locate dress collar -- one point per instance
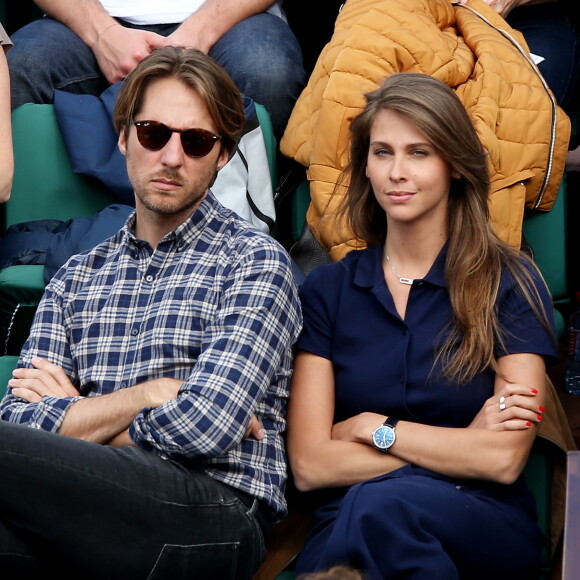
(369, 268)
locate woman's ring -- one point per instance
(501, 403)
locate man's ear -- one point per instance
(122, 142)
(222, 159)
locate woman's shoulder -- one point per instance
(522, 268)
(522, 282)
(331, 274)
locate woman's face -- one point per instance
(410, 179)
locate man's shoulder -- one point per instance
(84, 264)
(241, 235)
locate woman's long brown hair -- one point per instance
(476, 256)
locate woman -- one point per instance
(419, 376)
(6, 155)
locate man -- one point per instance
(150, 362)
(84, 45)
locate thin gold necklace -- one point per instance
(402, 279)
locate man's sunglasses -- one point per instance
(195, 142)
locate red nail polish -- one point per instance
(539, 417)
(542, 408)
(528, 423)
(534, 390)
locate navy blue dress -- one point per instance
(414, 523)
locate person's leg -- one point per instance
(47, 56)
(93, 511)
(263, 57)
(417, 527)
(18, 559)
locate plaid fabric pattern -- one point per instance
(214, 305)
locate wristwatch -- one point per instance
(384, 436)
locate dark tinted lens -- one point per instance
(197, 142)
(153, 136)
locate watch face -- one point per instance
(383, 437)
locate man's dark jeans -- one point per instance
(75, 509)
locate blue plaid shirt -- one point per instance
(214, 305)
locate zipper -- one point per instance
(535, 68)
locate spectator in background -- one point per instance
(6, 154)
(83, 45)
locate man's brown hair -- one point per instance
(196, 70)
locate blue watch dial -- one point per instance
(383, 437)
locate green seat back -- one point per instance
(45, 186)
(538, 474)
(270, 142)
(7, 365)
(21, 288)
(546, 234)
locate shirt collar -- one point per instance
(185, 233)
(369, 268)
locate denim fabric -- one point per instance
(83, 510)
(550, 33)
(261, 54)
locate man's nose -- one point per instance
(172, 154)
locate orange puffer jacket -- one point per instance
(470, 48)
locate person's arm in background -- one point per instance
(213, 19)
(117, 49)
(6, 153)
(504, 7)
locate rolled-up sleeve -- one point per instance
(245, 352)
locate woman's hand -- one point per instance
(358, 428)
(512, 408)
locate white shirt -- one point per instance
(166, 12)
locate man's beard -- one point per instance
(155, 202)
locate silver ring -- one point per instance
(501, 403)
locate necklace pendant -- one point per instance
(408, 281)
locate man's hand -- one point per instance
(254, 429)
(119, 50)
(45, 379)
(122, 439)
